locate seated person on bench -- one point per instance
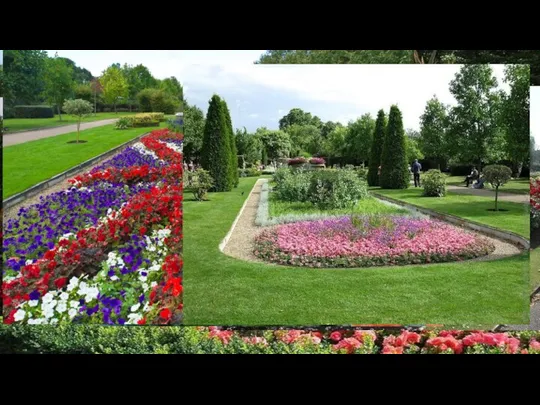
(479, 183)
(471, 177)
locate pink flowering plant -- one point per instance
(364, 241)
(317, 161)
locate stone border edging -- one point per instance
(228, 236)
(507, 236)
(38, 188)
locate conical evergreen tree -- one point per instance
(232, 145)
(215, 151)
(376, 149)
(394, 171)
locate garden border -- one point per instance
(38, 188)
(507, 236)
(231, 230)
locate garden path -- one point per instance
(27, 136)
(517, 198)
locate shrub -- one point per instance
(362, 172)
(158, 116)
(280, 174)
(294, 186)
(33, 111)
(124, 123)
(434, 183)
(497, 176)
(330, 189)
(144, 120)
(394, 168)
(249, 173)
(200, 182)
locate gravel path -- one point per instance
(27, 136)
(240, 243)
(518, 198)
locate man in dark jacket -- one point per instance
(416, 168)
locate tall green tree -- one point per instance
(194, 123)
(233, 154)
(296, 116)
(215, 152)
(249, 146)
(335, 56)
(394, 167)
(379, 134)
(304, 138)
(360, 138)
(433, 128)
(23, 77)
(115, 86)
(334, 143)
(58, 82)
(328, 127)
(473, 133)
(276, 144)
(172, 86)
(80, 75)
(515, 115)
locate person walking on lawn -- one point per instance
(416, 168)
(471, 177)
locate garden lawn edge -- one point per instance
(507, 236)
(44, 185)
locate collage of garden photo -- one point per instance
(229, 202)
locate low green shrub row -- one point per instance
(249, 172)
(33, 111)
(140, 120)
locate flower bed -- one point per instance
(317, 161)
(362, 241)
(535, 203)
(106, 251)
(297, 161)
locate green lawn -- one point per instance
(474, 208)
(366, 206)
(29, 163)
(24, 124)
(535, 268)
(514, 186)
(219, 289)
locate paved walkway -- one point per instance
(26, 136)
(518, 198)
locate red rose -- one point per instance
(60, 282)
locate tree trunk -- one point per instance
(496, 197)
(59, 112)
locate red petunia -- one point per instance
(165, 313)
(60, 282)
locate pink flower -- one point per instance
(336, 336)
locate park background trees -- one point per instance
(31, 77)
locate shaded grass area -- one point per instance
(222, 290)
(29, 163)
(514, 186)
(25, 124)
(535, 268)
(365, 206)
(515, 219)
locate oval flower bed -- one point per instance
(106, 251)
(364, 241)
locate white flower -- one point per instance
(91, 294)
(49, 297)
(74, 304)
(114, 278)
(72, 312)
(19, 315)
(73, 282)
(61, 307)
(33, 303)
(48, 312)
(29, 261)
(145, 286)
(133, 318)
(54, 321)
(135, 307)
(64, 296)
(153, 284)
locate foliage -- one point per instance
(376, 149)
(233, 154)
(249, 146)
(515, 115)
(84, 91)
(433, 140)
(331, 189)
(200, 182)
(144, 120)
(334, 142)
(473, 121)
(299, 117)
(276, 143)
(359, 138)
(497, 176)
(79, 108)
(173, 88)
(157, 100)
(251, 172)
(394, 168)
(194, 123)
(292, 185)
(58, 82)
(124, 123)
(80, 75)
(412, 151)
(336, 56)
(434, 183)
(33, 111)
(115, 85)
(215, 152)
(305, 138)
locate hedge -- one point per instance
(33, 111)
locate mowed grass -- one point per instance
(29, 163)
(535, 268)
(514, 186)
(24, 124)
(221, 290)
(365, 206)
(515, 219)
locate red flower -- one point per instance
(336, 336)
(141, 321)
(60, 282)
(165, 313)
(142, 231)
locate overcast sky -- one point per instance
(535, 115)
(259, 95)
